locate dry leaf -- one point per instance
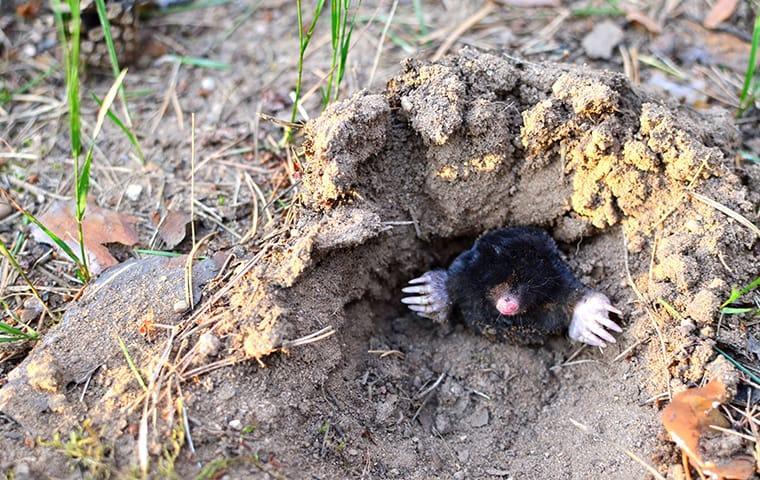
(100, 227)
(643, 19)
(29, 10)
(174, 228)
(720, 12)
(688, 418)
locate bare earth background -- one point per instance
(420, 160)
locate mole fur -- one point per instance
(525, 263)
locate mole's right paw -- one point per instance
(432, 300)
(591, 320)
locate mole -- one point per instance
(512, 286)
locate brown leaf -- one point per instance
(29, 10)
(174, 228)
(688, 418)
(720, 12)
(100, 227)
(643, 19)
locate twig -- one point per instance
(469, 22)
(380, 44)
(736, 216)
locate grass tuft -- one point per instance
(131, 363)
(304, 38)
(340, 40)
(85, 449)
(751, 87)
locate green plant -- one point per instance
(85, 449)
(751, 87)
(11, 256)
(736, 294)
(9, 334)
(55, 238)
(340, 40)
(304, 38)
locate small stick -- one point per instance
(380, 44)
(722, 208)
(469, 22)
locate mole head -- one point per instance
(507, 298)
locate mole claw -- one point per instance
(417, 289)
(613, 309)
(415, 300)
(421, 279)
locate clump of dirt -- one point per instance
(397, 182)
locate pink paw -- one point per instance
(591, 320)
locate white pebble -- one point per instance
(133, 191)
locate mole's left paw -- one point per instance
(591, 320)
(431, 300)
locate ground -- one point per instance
(624, 167)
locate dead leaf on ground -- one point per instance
(689, 417)
(720, 12)
(100, 227)
(174, 228)
(643, 19)
(29, 10)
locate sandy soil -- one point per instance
(394, 181)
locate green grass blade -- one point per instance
(55, 238)
(131, 364)
(747, 96)
(125, 129)
(57, 8)
(738, 365)
(106, 25)
(737, 293)
(739, 310)
(304, 37)
(14, 263)
(83, 182)
(72, 79)
(201, 62)
(417, 4)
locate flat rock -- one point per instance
(602, 40)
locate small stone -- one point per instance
(687, 326)
(460, 475)
(29, 50)
(442, 423)
(5, 209)
(602, 40)
(21, 471)
(133, 191)
(463, 455)
(208, 85)
(180, 306)
(479, 418)
(208, 345)
(353, 452)
(236, 424)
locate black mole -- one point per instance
(512, 285)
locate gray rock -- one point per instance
(602, 40)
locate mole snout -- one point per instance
(512, 285)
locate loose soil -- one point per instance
(397, 182)
(394, 182)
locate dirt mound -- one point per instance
(399, 181)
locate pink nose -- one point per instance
(507, 306)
